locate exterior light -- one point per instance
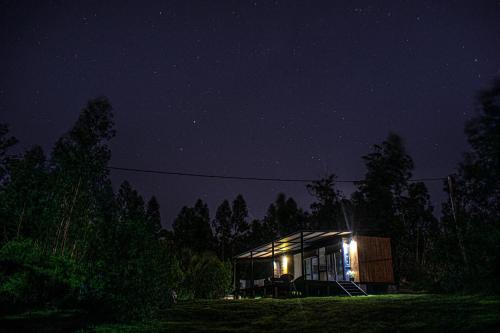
(353, 245)
(347, 258)
(346, 247)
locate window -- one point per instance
(315, 268)
(330, 261)
(339, 265)
(322, 265)
(308, 268)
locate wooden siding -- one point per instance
(354, 258)
(374, 260)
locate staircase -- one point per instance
(351, 288)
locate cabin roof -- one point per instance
(288, 243)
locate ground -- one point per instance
(388, 313)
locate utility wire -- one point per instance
(265, 179)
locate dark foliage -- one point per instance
(68, 241)
(192, 228)
(471, 217)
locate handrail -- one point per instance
(354, 283)
(348, 293)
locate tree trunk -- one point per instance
(21, 219)
(65, 237)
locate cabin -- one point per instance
(315, 263)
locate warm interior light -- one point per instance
(284, 265)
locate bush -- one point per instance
(206, 277)
(135, 286)
(30, 278)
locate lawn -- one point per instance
(388, 313)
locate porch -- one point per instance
(304, 263)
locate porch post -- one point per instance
(302, 254)
(251, 274)
(234, 277)
(272, 253)
(342, 255)
(273, 286)
(302, 262)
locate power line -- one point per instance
(265, 179)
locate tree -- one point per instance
(420, 229)
(259, 232)
(223, 228)
(6, 142)
(326, 211)
(380, 196)
(471, 215)
(80, 175)
(230, 226)
(137, 271)
(239, 225)
(153, 216)
(284, 216)
(24, 196)
(192, 228)
(99, 250)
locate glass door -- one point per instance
(339, 266)
(330, 263)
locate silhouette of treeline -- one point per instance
(68, 240)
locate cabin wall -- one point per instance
(374, 259)
(354, 259)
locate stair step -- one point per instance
(351, 288)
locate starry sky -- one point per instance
(287, 89)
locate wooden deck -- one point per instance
(298, 288)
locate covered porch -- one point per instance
(304, 263)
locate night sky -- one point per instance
(250, 88)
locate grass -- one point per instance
(44, 321)
(387, 313)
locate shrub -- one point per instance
(30, 278)
(206, 277)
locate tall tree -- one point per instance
(6, 142)
(239, 225)
(284, 216)
(471, 215)
(326, 211)
(223, 228)
(79, 160)
(379, 198)
(24, 196)
(420, 229)
(258, 233)
(153, 216)
(192, 228)
(136, 270)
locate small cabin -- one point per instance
(315, 263)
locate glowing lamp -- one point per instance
(284, 265)
(353, 245)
